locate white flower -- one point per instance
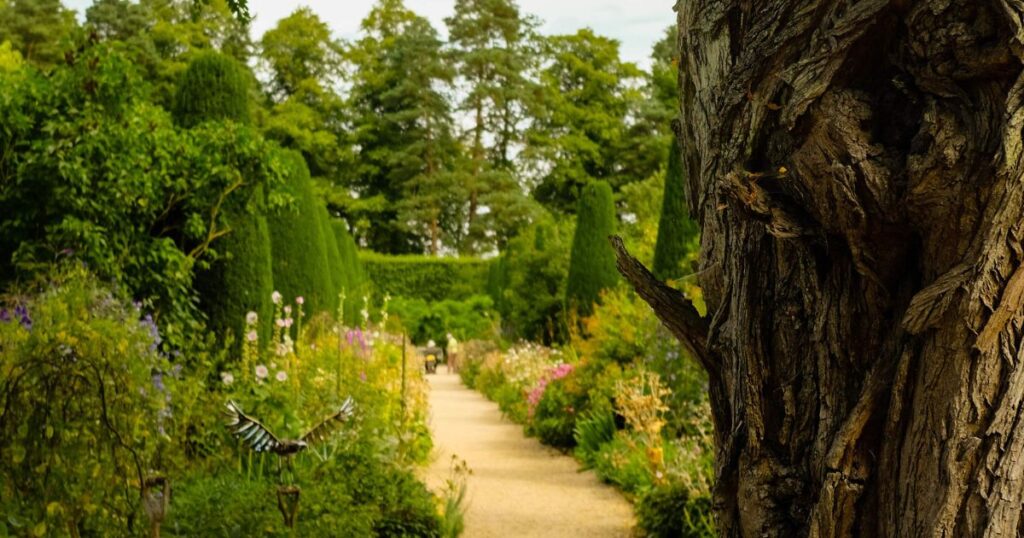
(276, 297)
(299, 300)
(251, 336)
(281, 375)
(279, 322)
(287, 309)
(273, 365)
(227, 378)
(261, 371)
(251, 318)
(288, 322)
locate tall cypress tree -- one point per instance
(301, 265)
(676, 230)
(215, 87)
(592, 263)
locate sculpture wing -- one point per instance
(250, 430)
(322, 431)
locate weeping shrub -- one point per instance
(592, 263)
(301, 266)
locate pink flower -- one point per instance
(299, 300)
(279, 322)
(288, 322)
(262, 372)
(227, 378)
(362, 376)
(281, 375)
(251, 336)
(288, 309)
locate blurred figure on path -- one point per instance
(452, 352)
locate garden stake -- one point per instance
(288, 504)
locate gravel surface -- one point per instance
(519, 488)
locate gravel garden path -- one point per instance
(519, 488)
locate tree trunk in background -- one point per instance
(856, 170)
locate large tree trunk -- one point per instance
(856, 170)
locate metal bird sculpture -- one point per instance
(261, 439)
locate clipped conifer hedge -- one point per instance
(592, 261)
(426, 277)
(213, 87)
(354, 284)
(240, 280)
(301, 264)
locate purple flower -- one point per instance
(66, 252)
(176, 371)
(20, 311)
(5, 315)
(26, 322)
(158, 382)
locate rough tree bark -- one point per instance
(856, 169)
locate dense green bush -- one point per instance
(335, 264)
(125, 191)
(88, 398)
(677, 232)
(592, 265)
(529, 283)
(354, 284)
(301, 266)
(473, 318)
(672, 511)
(213, 87)
(594, 429)
(425, 277)
(554, 419)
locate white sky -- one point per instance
(637, 24)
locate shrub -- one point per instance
(354, 283)
(301, 266)
(125, 191)
(592, 264)
(336, 267)
(677, 232)
(593, 429)
(531, 283)
(424, 277)
(554, 418)
(87, 398)
(625, 462)
(213, 87)
(673, 511)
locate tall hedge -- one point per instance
(677, 232)
(426, 277)
(301, 265)
(336, 269)
(213, 87)
(592, 262)
(354, 282)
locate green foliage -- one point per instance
(300, 53)
(624, 462)
(87, 400)
(528, 281)
(425, 277)
(354, 281)
(402, 122)
(214, 87)
(673, 511)
(580, 131)
(594, 429)
(472, 318)
(336, 267)
(677, 233)
(41, 30)
(554, 419)
(242, 280)
(138, 200)
(301, 265)
(592, 265)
